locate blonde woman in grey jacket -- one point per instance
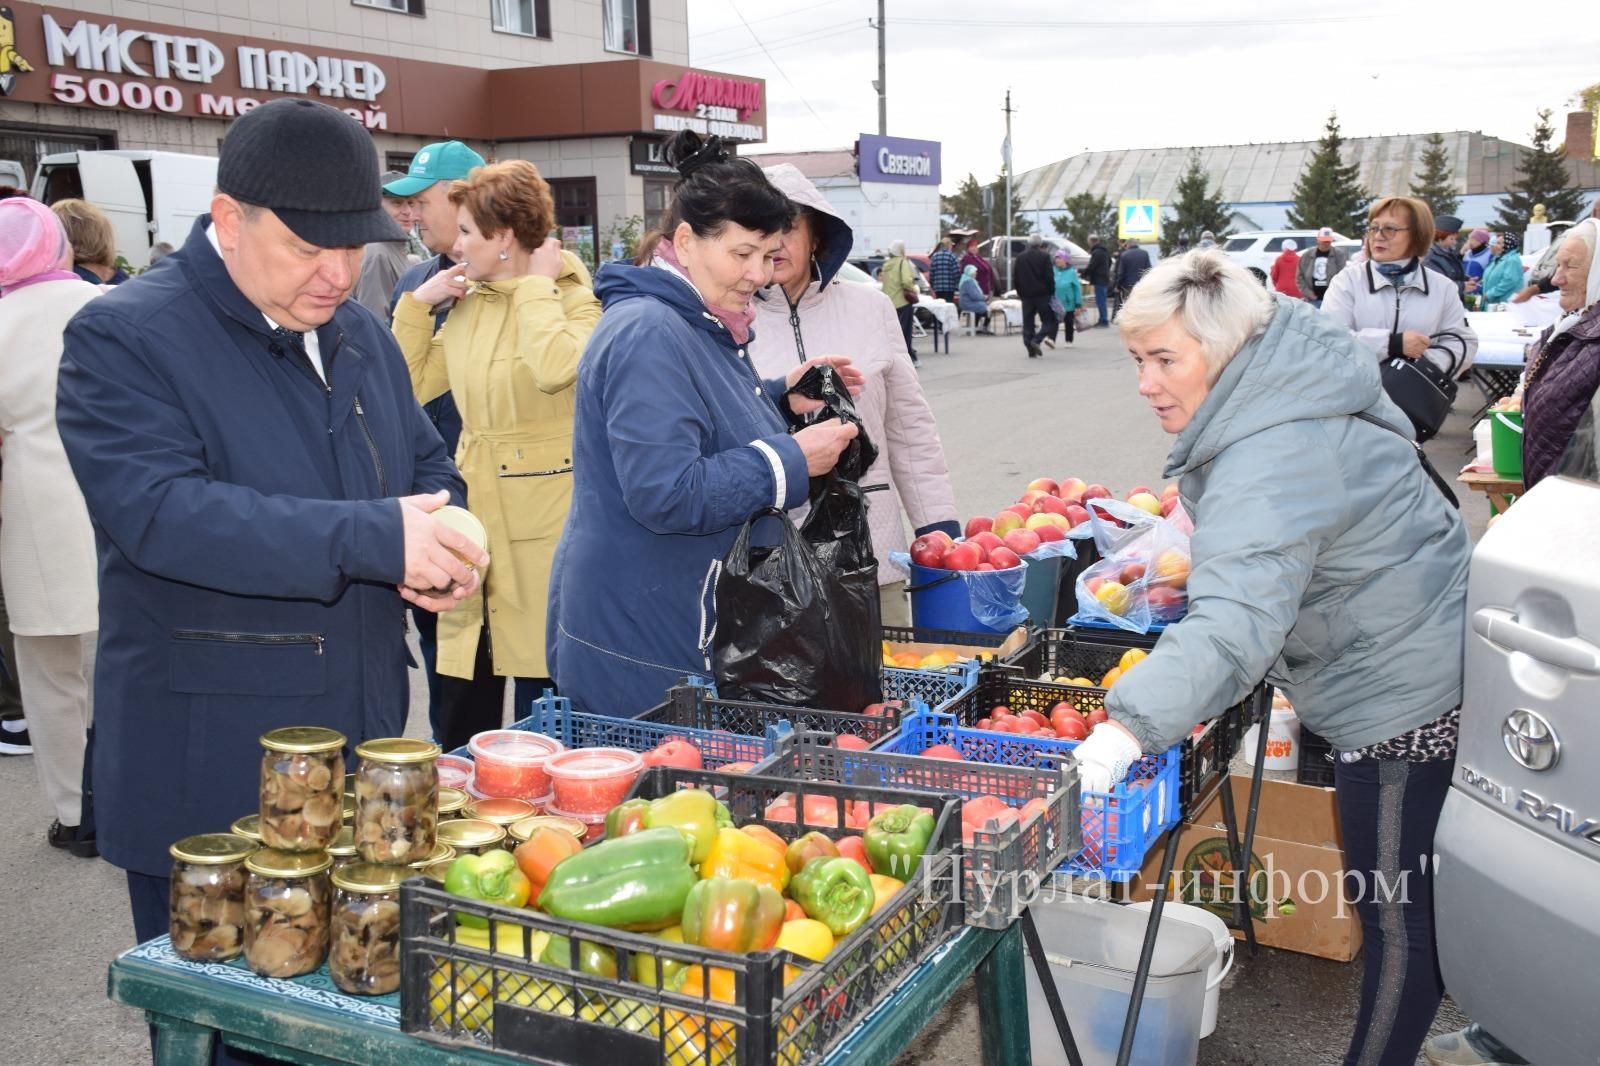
(808, 312)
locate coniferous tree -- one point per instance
(1329, 191)
(1197, 207)
(1544, 180)
(965, 205)
(1436, 182)
(1086, 214)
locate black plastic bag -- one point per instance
(798, 623)
(823, 383)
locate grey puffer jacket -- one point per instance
(1323, 557)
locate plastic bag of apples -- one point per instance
(1142, 578)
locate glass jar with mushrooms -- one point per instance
(364, 959)
(207, 896)
(302, 774)
(397, 800)
(287, 898)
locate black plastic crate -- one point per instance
(697, 707)
(1316, 759)
(1001, 868)
(777, 1009)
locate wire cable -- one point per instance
(775, 66)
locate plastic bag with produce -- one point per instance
(1143, 578)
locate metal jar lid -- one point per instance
(464, 522)
(344, 843)
(213, 849)
(522, 830)
(436, 871)
(441, 852)
(452, 801)
(271, 862)
(501, 810)
(398, 750)
(248, 827)
(303, 740)
(468, 833)
(369, 877)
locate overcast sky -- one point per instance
(1147, 73)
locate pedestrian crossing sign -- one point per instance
(1139, 220)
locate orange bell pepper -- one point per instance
(538, 855)
(766, 836)
(742, 857)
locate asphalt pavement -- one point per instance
(1005, 419)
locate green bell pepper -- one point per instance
(493, 878)
(896, 839)
(692, 811)
(634, 882)
(595, 959)
(836, 892)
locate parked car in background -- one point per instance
(872, 266)
(1256, 251)
(1518, 844)
(149, 196)
(1000, 253)
(850, 272)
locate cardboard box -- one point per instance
(1296, 894)
(1010, 646)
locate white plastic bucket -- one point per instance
(1283, 741)
(1220, 965)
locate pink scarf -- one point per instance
(737, 322)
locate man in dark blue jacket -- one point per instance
(259, 475)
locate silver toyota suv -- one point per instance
(1518, 845)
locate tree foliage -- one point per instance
(1543, 179)
(1329, 191)
(1086, 214)
(964, 208)
(1436, 181)
(1197, 207)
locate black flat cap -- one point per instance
(316, 169)
(1447, 223)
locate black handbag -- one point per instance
(1423, 391)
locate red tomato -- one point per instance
(1097, 716)
(736, 767)
(852, 847)
(1035, 717)
(942, 751)
(781, 812)
(985, 723)
(850, 742)
(887, 707)
(981, 809)
(1033, 807)
(821, 810)
(1000, 711)
(674, 752)
(1071, 726)
(1027, 725)
(1007, 724)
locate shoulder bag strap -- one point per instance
(1422, 456)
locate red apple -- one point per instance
(963, 556)
(1003, 558)
(1095, 492)
(1049, 505)
(1170, 490)
(1021, 510)
(1005, 522)
(978, 524)
(987, 541)
(1092, 585)
(1131, 573)
(1048, 518)
(1164, 600)
(985, 568)
(1077, 514)
(1022, 541)
(1052, 532)
(942, 537)
(1136, 490)
(927, 551)
(1168, 505)
(1042, 484)
(1072, 489)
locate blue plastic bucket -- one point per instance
(940, 600)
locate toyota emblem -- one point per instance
(1530, 740)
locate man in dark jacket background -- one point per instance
(1099, 274)
(1033, 275)
(1132, 265)
(259, 476)
(1443, 256)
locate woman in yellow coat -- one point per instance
(509, 353)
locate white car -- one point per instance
(1256, 251)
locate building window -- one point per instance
(400, 161)
(627, 26)
(575, 204)
(657, 204)
(405, 7)
(530, 18)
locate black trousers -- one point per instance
(1388, 811)
(1038, 320)
(1067, 326)
(904, 314)
(470, 706)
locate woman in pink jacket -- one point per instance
(807, 312)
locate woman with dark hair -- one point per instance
(508, 353)
(677, 440)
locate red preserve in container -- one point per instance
(591, 781)
(510, 762)
(455, 771)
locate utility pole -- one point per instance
(882, 84)
(1006, 209)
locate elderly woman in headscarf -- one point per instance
(47, 553)
(971, 300)
(1069, 291)
(1564, 369)
(1503, 277)
(899, 280)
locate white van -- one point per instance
(149, 196)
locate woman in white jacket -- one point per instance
(807, 312)
(47, 553)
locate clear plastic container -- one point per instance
(364, 958)
(287, 900)
(302, 777)
(397, 800)
(592, 780)
(594, 825)
(207, 896)
(511, 762)
(455, 771)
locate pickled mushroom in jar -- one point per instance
(208, 912)
(397, 813)
(287, 926)
(365, 958)
(301, 802)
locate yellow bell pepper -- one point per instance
(883, 889)
(806, 937)
(741, 856)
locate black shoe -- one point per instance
(63, 836)
(1034, 351)
(16, 743)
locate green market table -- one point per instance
(310, 1022)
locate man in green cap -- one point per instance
(427, 185)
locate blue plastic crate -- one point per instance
(935, 689)
(1119, 826)
(695, 704)
(554, 717)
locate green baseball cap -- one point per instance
(444, 161)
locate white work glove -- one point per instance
(1105, 756)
